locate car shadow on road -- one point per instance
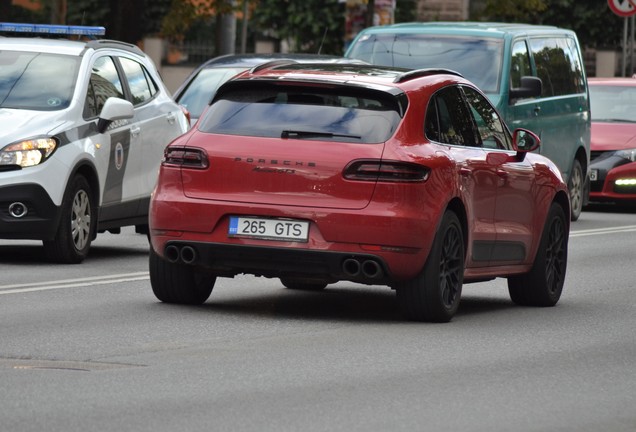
(342, 303)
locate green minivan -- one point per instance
(533, 74)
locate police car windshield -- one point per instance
(36, 81)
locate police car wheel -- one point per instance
(75, 233)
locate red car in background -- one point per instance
(319, 173)
(613, 142)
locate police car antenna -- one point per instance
(324, 35)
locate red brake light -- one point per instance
(185, 157)
(387, 171)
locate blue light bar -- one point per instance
(53, 29)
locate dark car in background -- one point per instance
(613, 165)
(198, 89)
(319, 173)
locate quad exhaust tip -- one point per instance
(184, 254)
(368, 268)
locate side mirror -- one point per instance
(524, 141)
(530, 87)
(114, 109)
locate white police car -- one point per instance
(83, 126)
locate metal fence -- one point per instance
(189, 53)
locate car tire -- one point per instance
(434, 295)
(178, 283)
(543, 285)
(303, 285)
(76, 230)
(576, 189)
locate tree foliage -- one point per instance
(310, 26)
(303, 23)
(594, 23)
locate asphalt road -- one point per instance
(89, 348)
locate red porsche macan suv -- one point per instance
(322, 173)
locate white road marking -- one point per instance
(601, 231)
(73, 283)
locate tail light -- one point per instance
(185, 157)
(386, 171)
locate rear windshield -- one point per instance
(37, 81)
(349, 115)
(477, 59)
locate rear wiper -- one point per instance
(310, 134)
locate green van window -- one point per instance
(520, 64)
(557, 65)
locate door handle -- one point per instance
(171, 118)
(537, 110)
(135, 131)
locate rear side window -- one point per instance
(448, 120)
(339, 114)
(558, 65)
(492, 133)
(141, 84)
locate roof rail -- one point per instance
(52, 29)
(424, 72)
(107, 43)
(271, 64)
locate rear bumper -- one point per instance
(230, 260)
(383, 245)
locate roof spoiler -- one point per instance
(406, 76)
(271, 64)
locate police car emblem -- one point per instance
(119, 156)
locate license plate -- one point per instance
(593, 175)
(269, 229)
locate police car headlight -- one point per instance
(629, 154)
(28, 152)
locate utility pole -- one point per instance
(244, 27)
(58, 12)
(226, 28)
(370, 13)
